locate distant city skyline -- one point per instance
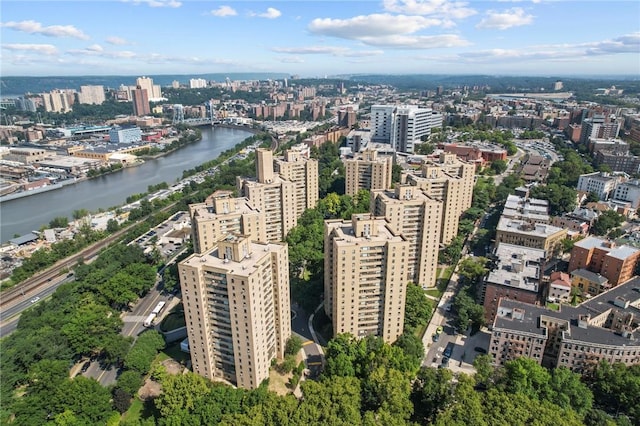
(318, 38)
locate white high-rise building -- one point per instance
(381, 122)
(153, 90)
(402, 126)
(197, 83)
(91, 95)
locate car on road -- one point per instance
(85, 367)
(35, 300)
(481, 350)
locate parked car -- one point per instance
(35, 300)
(435, 337)
(445, 362)
(85, 367)
(481, 350)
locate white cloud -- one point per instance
(117, 41)
(33, 27)
(417, 41)
(373, 25)
(292, 60)
(224, 11)
(156, 3)
(629, 43)
(441, 8)
(578, 52)
(514, 17)
(327, 50)
(271, 13)
(44, 49)
(97, 50)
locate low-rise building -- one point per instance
(559, 288)
(605, 327)
(531, 210)
(589, 283)
(534, 235)
(616, 263)
(517, 276)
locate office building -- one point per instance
(604, 327)
(598, 127)
(140, 99)
(517, 276)
(296, 167)
(237, 309)
(599, 183)
(402, 126)
(628, 191)
(365, 277)
(416, 216)
(220, 215)
(614, 262)
(410, 125)
(127, 135)
(451, 181)
(367, 171)
(93, 95)
(533, 235)
(274, 196)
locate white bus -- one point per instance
(148, 322)
(159, 308)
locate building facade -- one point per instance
(605, 327)
(140, 98)
(126, 135)
(303, 172)
(220, 215)
(451, 181)
(272, 196)
(91, 95)
(237, 309)
(522, 233)
(614, 262)
(368, 171)
(416, 216)
(365, 277)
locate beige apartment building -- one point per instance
(367, 171)
(605, 327)
(272, 195)
(449, 180)
(416, 216)
(365, 277)
(220, 215)
(534, 235)
(303, 172)
(237, 309)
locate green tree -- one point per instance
(473, 268)
(59, 222)
(499, 166)
(431, 393)
(181, 394)
(130, 381)
(418, 308)
(606, 222)
(79, 214)
(293, 345)
(484, 369)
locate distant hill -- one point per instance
(17, 86)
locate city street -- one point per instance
(313, 354)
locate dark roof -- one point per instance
(24, 239)
(591, 276)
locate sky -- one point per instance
(320, 38)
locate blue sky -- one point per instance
(317, 38)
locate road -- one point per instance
(314, 357)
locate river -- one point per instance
(23, 215)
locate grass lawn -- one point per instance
(173, 351)
(434, 292)
(553, 306)
(134, 413)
